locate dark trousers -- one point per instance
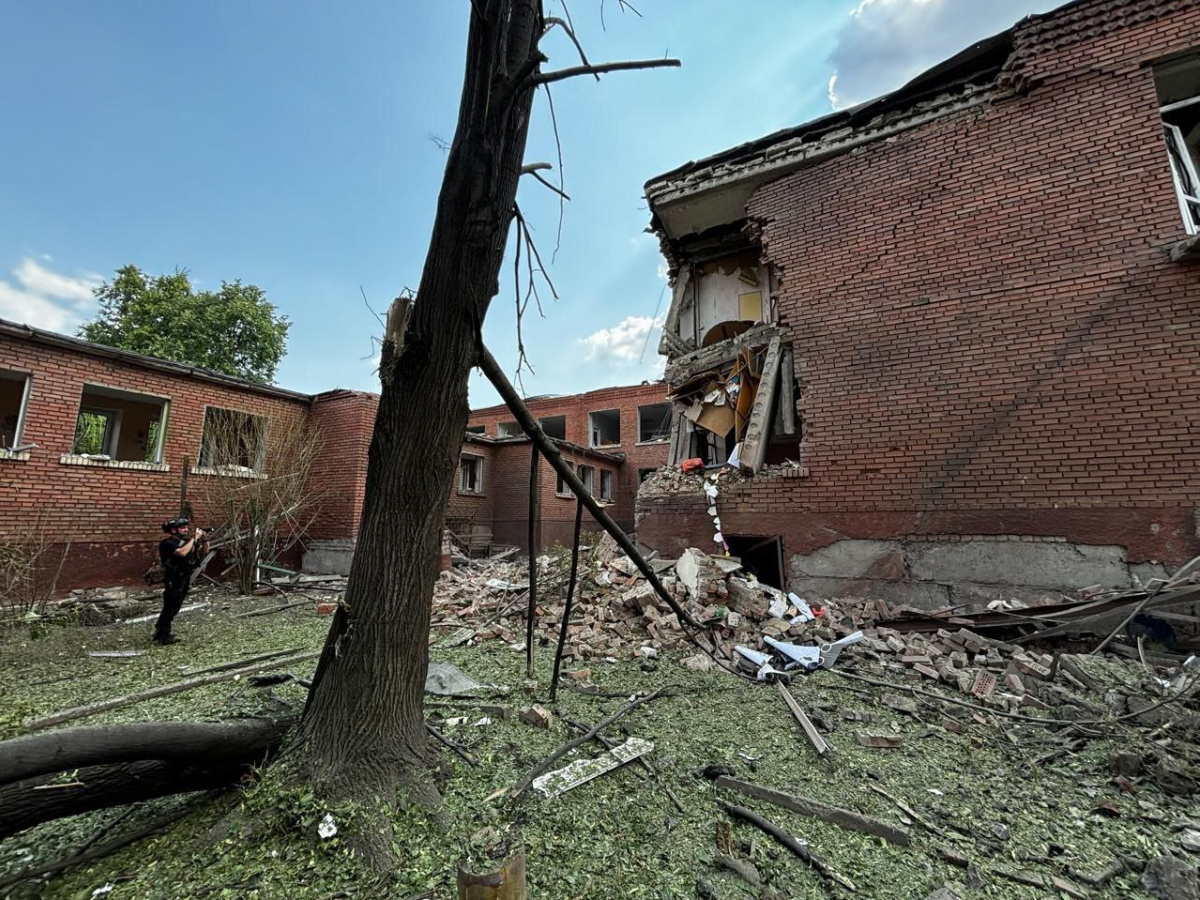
(175, 591)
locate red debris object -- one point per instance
(692, 465)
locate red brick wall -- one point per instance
(345, 420)
(576, 408)
(112, 515)
(989, 335)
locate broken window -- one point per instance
(470, 474)
(587, 474)
(119, 425)
(554, 427)
(643, 474)
(509, 429)
(476, 429)
(606, 484)
(14, 397)
(654, 422)
(561, 487)
(233, 440)
(604, 426)
(1178, 84)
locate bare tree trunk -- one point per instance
(363, 726)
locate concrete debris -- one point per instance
(1169, 878)
(537, 716)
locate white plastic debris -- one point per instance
(804, 612)
(327, 829)
(447, 680)
(486, 720)
(103, 891)
(778, 608)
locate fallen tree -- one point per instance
(142, 761)
(217, 744)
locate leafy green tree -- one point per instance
(234, 330)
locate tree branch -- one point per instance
(554, 188)
(551, 21)
(573, 71)
(530, 168)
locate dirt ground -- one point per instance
(1017, 800)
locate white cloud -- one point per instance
(887, 42)
(46, 299)
(623, 343)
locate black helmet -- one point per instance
(176, 523)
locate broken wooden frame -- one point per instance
(770, 410)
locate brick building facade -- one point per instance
(975, 314)
(99, 446)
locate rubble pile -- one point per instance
(766, 632)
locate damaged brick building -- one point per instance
(98, 446)
(952, 334)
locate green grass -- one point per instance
(617, 836)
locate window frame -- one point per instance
(587, 474)
(112, 431)
(667, 418)
(1182, 167)
(204, 466)
(514, 432)
(476, 429)
(462, 471)
(26, 378)
(592, 442)
(561, 488)
(602, 495)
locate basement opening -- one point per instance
(761, 556)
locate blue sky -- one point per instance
(287, 143)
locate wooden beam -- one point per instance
(843, 818)
(754, 444)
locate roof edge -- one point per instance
(62, 341)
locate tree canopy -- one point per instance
(233, 330)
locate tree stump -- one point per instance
(504, 883)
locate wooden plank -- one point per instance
(843, 818)
(810, 730)
(754, 445)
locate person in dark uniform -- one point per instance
(180, 556)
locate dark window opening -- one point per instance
(554, 427)
(606, 484)
(761, 556)
(654, 422)
(643, 474)
(119, 425)
(561, 487)
(470, 474)
(604, 427)
(587, 474)
(1178, 86)
(233, 440)
(509, 429)
(14, 397)
(476, 429)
